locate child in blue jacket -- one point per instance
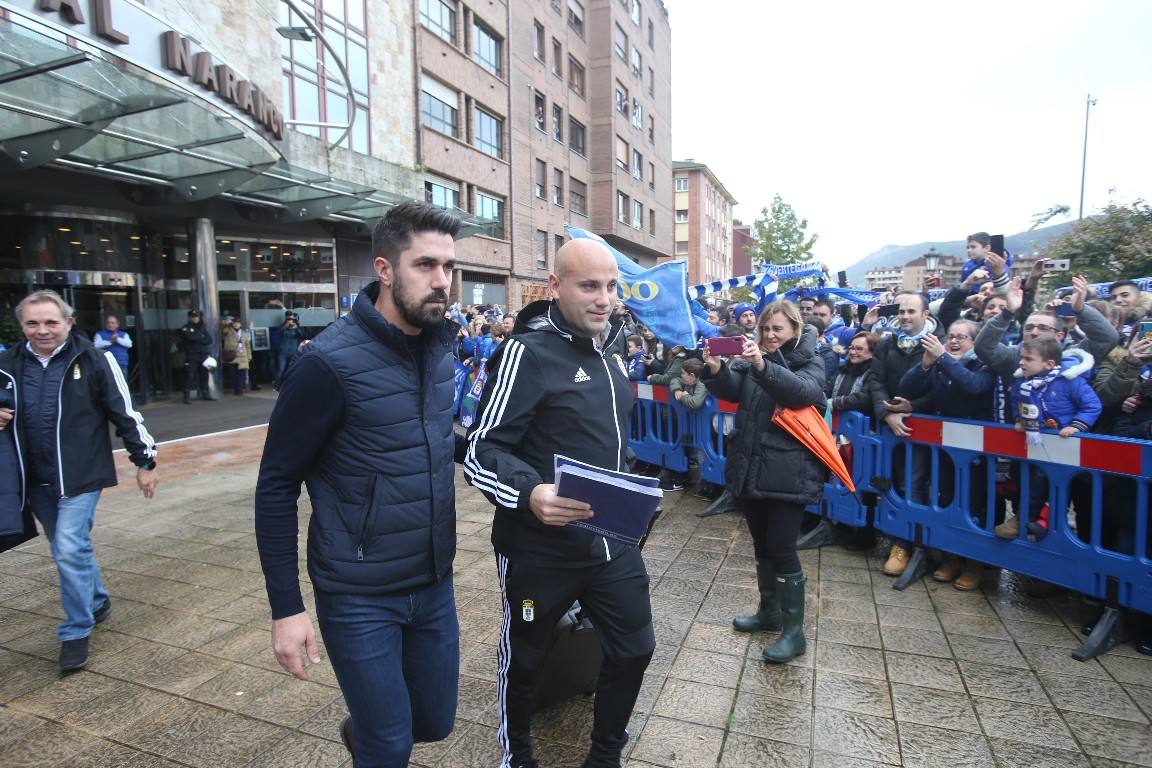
(637, 370)
(1050, 393)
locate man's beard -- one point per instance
(416, 313)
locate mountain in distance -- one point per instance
(899, 255)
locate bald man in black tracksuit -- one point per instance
(559, 384)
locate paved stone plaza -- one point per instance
(182, 674)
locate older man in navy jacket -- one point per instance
(65, 392)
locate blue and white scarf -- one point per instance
(906, 341)
(1030, 403)
(829, 338)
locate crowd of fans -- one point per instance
(991, 350)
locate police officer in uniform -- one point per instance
(196, 343)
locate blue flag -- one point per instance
(658, 297)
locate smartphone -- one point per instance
(997, 246)
(725, 345)
(1064, 309)
(888, 310)
(842, 279)
(1144, 330)
(1056, 265)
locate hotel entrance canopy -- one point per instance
(81, 109)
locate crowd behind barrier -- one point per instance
(971, 463)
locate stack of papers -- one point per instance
(622, 504)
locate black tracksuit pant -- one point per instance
(614, 594)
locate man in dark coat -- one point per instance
(364, 418)
(196, 343)
(896, 354)
(65, 393)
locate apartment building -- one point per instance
(884, 279)
(703, 224)
(462, 140)
(541, 113)
(741, 243)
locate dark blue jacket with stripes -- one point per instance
(549, 391)
(371, 436)
(91, 393)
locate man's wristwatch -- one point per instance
(149, 466)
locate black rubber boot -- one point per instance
(767, 616)
(791, 642)
(725, 502)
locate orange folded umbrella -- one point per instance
(809, 427)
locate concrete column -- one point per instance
(205, 295)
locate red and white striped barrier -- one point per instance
(661, 394)
(1103, 454)
(657, 392)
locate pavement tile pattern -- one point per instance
(182, 673)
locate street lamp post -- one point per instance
(1088, 104)
(931, 261)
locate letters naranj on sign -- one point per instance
(178, 57)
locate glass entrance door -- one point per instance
(93, 306)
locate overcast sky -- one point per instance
(901, 122)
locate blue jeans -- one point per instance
(397, 658)
(67, 522)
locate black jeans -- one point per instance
(775, 526)
(615, 596)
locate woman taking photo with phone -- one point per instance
(768, 470)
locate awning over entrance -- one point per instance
(72, 108)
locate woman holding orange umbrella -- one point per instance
(772, 474)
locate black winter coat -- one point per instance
(851, 388)
(16, 524)
(764, 461)
(888, 368)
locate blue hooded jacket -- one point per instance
(1069, 400)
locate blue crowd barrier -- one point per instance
(962, 476)
(1115, 475)
(658, 428)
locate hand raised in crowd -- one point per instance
(1131, 404)
(1079, 293)
(897, 405)
(294, 641)
(1015, 296)
(933, 349)
(6, 415)
(895, 422)
(146, 481)
(551, 509)
(1036, 272)
(871, 316)
(713, 363)
(977, 277)
(996, 264)
(753, 354)
(1139, 351)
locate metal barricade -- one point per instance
(658, 428)
(943, 493)
(708, 435)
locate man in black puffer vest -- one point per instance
(364, 419)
